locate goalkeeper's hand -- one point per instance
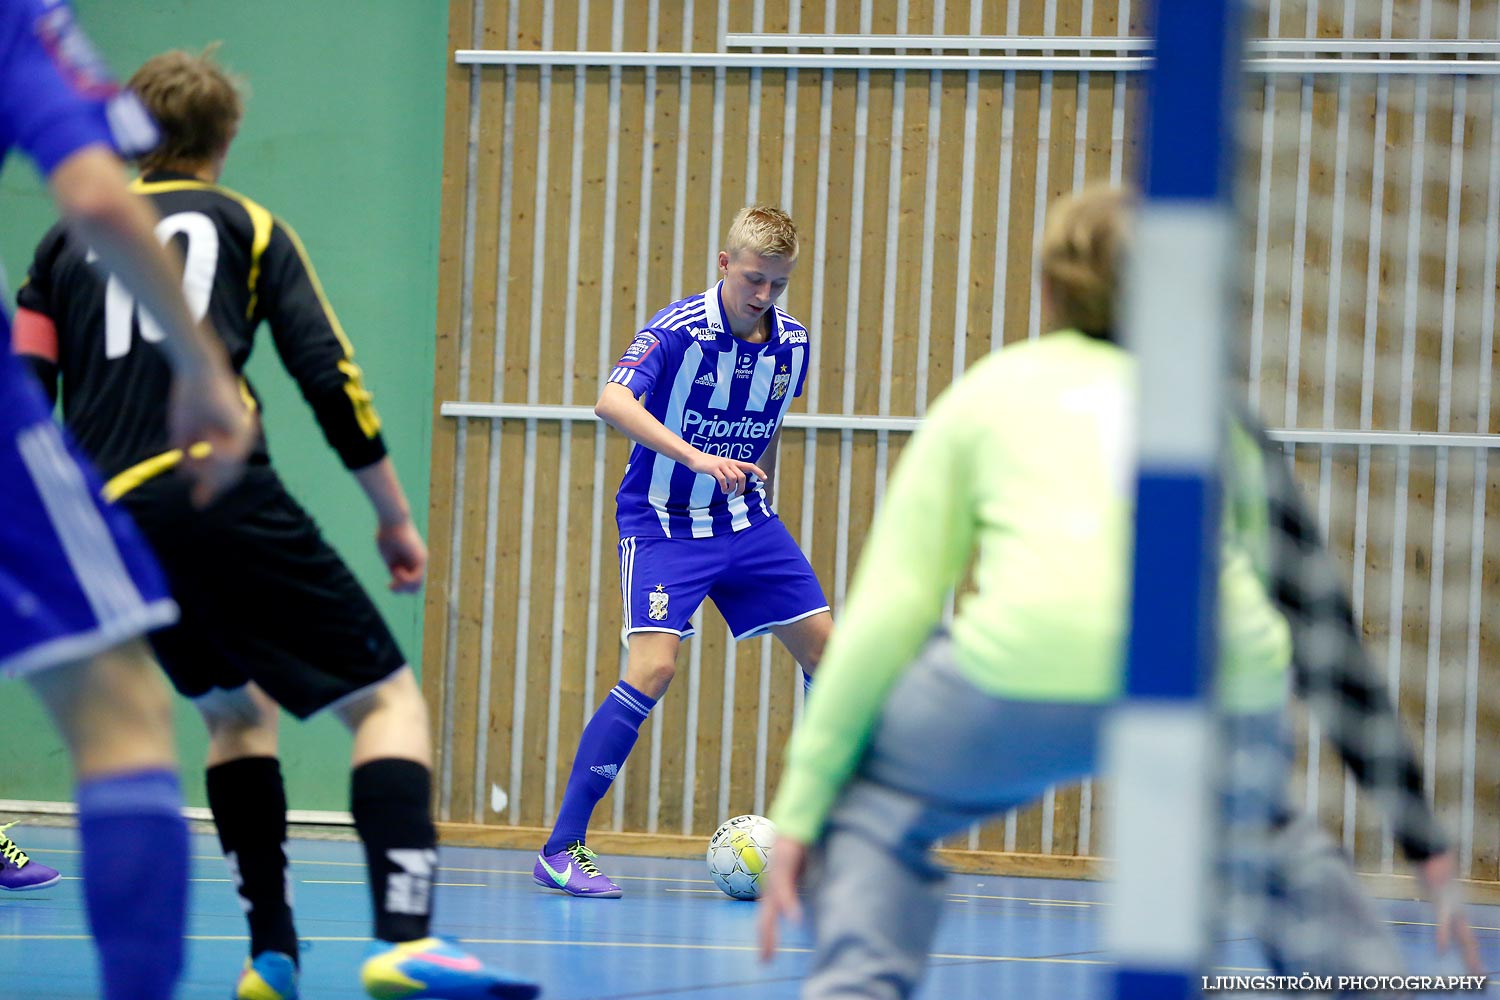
(780, 896)
(1439, 879)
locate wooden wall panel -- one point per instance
(598, 196)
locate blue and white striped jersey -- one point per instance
(723, 395)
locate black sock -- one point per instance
(248, 801)
(391, 801)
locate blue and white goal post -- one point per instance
(1159, 744)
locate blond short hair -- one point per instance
(1082, 252)
(764, 230)
(196, 103)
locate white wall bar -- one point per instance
(643, 257)
(1040, 43)
(1395, 617)
(689, 760)
(606, 348)
(893, 214)
(750, 154)
(853, 287)
(1373, 280)
(1293, 372)
(763, 679)
(859, 422)
(929, 237)
(483, 799)
(1330, 370)
(788, 165)
(855, 61)
(1043, 198)
(1481, 483)
(529, 463)
(564, 529)
(1041, 193)
(801, 60)
(1432, 699)
(1002, 210)
(465, 335)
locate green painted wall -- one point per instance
(342, 137)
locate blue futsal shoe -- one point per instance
(437, 969)
(268, 976)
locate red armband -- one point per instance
(35, 334)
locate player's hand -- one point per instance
(780, 896)
(209, 421)
(732, 476)
(1438, 874)
(404, 553)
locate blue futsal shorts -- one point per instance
(757, 578)
(75, 577)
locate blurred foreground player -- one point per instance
(268, 608)
(914, 734)
(77, 586)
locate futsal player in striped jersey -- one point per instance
(702, 390)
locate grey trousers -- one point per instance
(944, 756)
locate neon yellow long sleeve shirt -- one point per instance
(1026, 467)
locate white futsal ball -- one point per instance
(739, 855)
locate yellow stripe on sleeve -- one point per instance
(359, 396)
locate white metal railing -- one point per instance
(794, 60)
(1101, 43)
(1420, 65)
(859, 422)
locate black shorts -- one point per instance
(264, 598)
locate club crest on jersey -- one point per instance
(781, 383)
(658, 601)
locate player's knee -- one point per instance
(114, 711)
(398, 697)
(238, 725)
(811, 653)
(651, 676)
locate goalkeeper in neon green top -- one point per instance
(1024, 468)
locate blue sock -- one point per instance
(135, 869)
(806, 683)
(602, 750)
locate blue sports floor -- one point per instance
(672, 935)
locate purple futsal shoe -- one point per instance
(18, 873)
(572, 870)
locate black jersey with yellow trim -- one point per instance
(242, 266)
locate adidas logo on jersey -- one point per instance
(707, 378)
(610, 771)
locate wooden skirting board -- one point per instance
(671, 845)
